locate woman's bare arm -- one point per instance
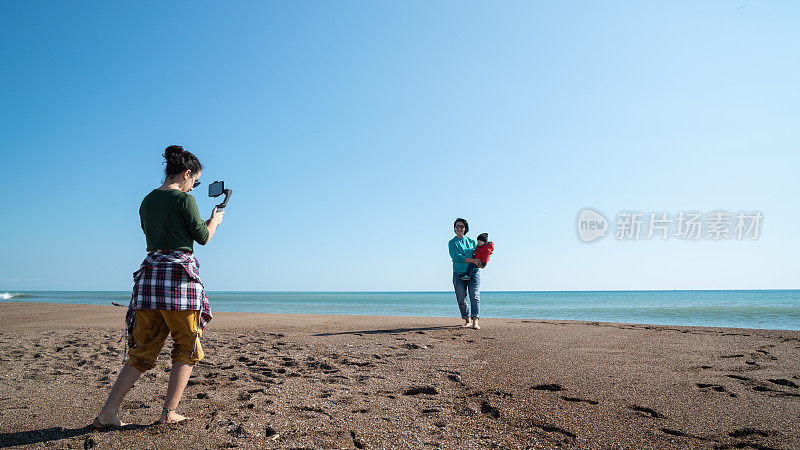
(214, 221)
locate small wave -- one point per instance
(9, 296)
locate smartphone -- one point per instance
(216, 188)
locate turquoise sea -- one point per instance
(771, 309)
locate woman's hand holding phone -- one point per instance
(216, 216)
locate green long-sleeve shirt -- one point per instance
(460, 250)
(171, 221)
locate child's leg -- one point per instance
(466, 275)
(471, 270)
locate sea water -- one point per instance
(770, 309)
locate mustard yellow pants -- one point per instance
(150, 330)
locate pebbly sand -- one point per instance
(292, 381)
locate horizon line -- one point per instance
(423, 292)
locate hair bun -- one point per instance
(173, 152)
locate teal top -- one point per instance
(460, 250)
(171, 221)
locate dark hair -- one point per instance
(483, 237)
(466, 225)
(179, 161)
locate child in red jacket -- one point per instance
(483, 252)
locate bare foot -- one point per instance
(102, 423)
(172, 417)
(466, 325)
(475, 324)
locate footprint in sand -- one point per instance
(357, 363)
(412, 346)
(579, 400)
(548, 387)
(238, 432)
(416, 390)
(501, 394)
(714, 387)
(747, 432)
(356, 441)
(328, 368)
(739, 377)
(647, 411)
(783, 382)
(312, 408)
(672, 432)
(261, 379)
(487, 408)
(777, 392)
(550, 428)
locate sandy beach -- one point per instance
(306, 381)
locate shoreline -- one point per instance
(106, 313)
(280, 380)
(776, 310)
(23, 291)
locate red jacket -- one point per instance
(483, 252)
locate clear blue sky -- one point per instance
(353, 133)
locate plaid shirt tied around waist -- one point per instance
(170, 281)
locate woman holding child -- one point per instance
(461, 250)
(168, 295)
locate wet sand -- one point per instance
(306, 381)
